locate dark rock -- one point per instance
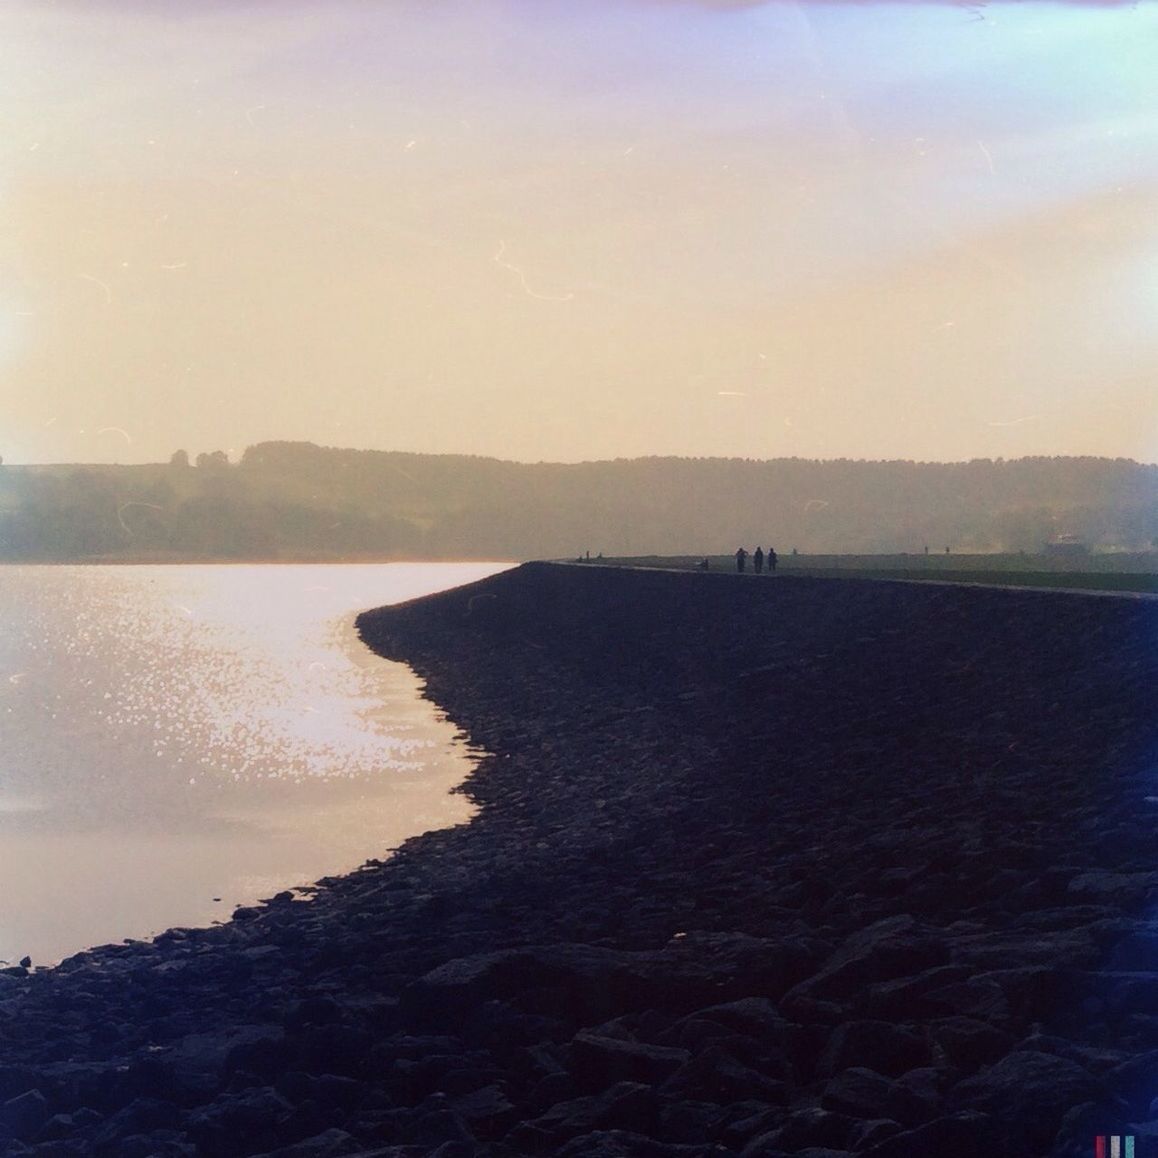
(1136, 1080)
(189, 1071)
(77, 1148)
(694, 1032)
(689, 1121)
(625, 1144)
(863, 1093)
(626, 1106)
(872, 1132)
(811, 1127)
(18, 1080)
(878, 1045)
(57, 1127)
(438, 1126)
(487, 1111)
(1035, 992)
(239, 1124)
(1028, 1092)
(1101, 887)
(969, 1043)
(334, 1048)
(976, 999)
(550, 1089)
(342, 1093)
(156, 1145)
(24, 1115)
(319, 1009)
(903, 997)
(141, 1116)
(1088, 1120)
(715, 1076)
(748, 1120)
(455, 1149)
(332, 1143)
(527, 1138)
(894, 947)
(921, 1090)
(740, 964)
(764, 1146)
(597, 1061)
(965, 1135)
(265, 1056)
(858, 1092)
(752, 1015)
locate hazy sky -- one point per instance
(546, 229)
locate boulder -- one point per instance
(598, 1061)
(863, 1093)
(965, 1135)
(878, 1045)
(715, 1076)
(1026, 1094)
(24, 1115)
(969, 1043)
(894, 947)
(332, 1143)
(626, 1105)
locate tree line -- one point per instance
(298, 500)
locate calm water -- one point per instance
(172, 735)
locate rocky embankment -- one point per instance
(763, 866)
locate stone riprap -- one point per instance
(762, 866)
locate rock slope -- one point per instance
(763, 866)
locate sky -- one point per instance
(543, 230)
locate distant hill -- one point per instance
(295, 500)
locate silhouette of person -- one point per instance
(773, 559)
(704, 564)
(758, 561)
(741, 556)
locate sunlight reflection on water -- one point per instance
(176, 734)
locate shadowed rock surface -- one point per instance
(763, 867)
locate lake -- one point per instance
(178, 740)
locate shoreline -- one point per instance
(852, 866)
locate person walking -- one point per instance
(741, 557)
(773, 559)
(758, 561)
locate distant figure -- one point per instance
(773, 559)
(741, 557)
(704, 564)
(758, 561)
(795, 551)
(946, 550)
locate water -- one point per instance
(178, 740)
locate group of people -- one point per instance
(758, 559)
